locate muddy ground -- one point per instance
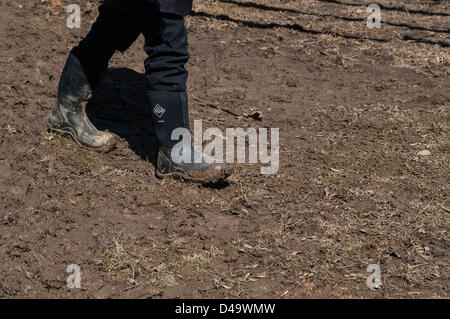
(364, 158)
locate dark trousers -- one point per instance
(165, 44)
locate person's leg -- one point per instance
(112, 31)
(82, 71)
(167, 48)
(166, 44)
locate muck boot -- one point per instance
(68, 115)
(169, 112)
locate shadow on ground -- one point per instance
(119, 105)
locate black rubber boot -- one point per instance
(169, 112)
(68, 115)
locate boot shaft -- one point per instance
(73, 88)
(169, 111)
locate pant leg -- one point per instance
(166, 44)
(113, 30)
(178, 7)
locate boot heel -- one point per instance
(55, 121)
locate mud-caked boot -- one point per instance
(169, 112)
(68, 115)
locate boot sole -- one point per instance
(190, 179)
(69, 132)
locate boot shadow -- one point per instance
(119, 105)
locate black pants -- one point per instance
(165, 44)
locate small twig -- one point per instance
(423, 210)
(283, 294)
(131, 287)
(220, 109)
(446, 209)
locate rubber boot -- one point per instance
(169, 112)
(68, 115)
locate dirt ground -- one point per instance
(364, 158)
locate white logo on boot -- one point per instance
(159, 110)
